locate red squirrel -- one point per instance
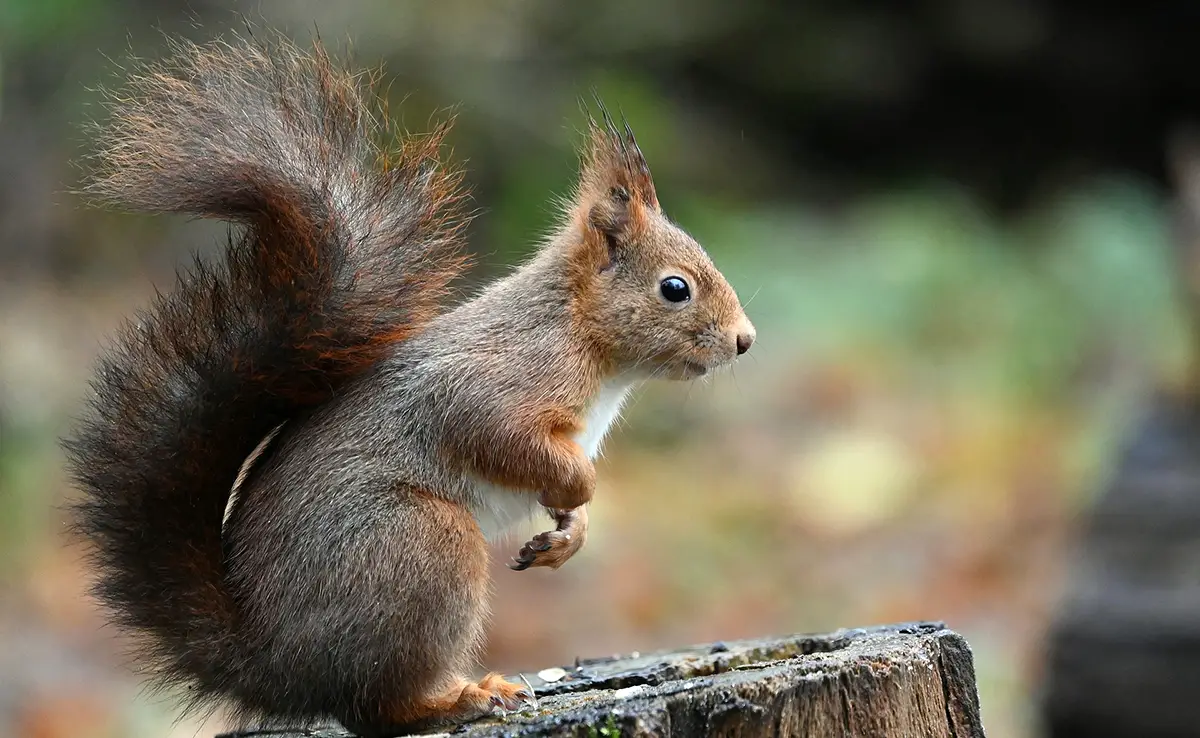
(375, 438)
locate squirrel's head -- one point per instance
(647, 293)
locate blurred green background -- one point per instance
(949, 219)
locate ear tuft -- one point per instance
(615, 194)
(612, 163)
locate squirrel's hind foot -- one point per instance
(506, 695)
(462, 702)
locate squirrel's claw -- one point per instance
(529, 694)
(552, 548)
(543, 543)
(507, 696)
(498, 705)
(539, 544)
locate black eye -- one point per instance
(674, 289)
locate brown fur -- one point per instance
(349, 579)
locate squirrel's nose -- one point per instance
(745, 340)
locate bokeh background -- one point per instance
(952, 221)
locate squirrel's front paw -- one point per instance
(554, 547)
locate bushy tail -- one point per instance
(345, 249)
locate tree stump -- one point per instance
(896, 681)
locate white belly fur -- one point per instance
(603, 412)
(498, 509)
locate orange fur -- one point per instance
(533, 451)
(463, 700)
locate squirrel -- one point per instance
(291, 464)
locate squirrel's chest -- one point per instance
(499, 509)
(600, 416)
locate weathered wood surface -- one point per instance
(899, 681)
(1123, 656)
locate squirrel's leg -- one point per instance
(538, 453)
(417, 617)
(553, 548)
(570, 478)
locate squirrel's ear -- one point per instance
(615, 193)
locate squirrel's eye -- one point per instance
(674, 289)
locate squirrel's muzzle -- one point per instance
(745, 336)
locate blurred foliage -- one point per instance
(939, 380)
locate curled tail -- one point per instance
(345, 249)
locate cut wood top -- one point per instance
(914, 679)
